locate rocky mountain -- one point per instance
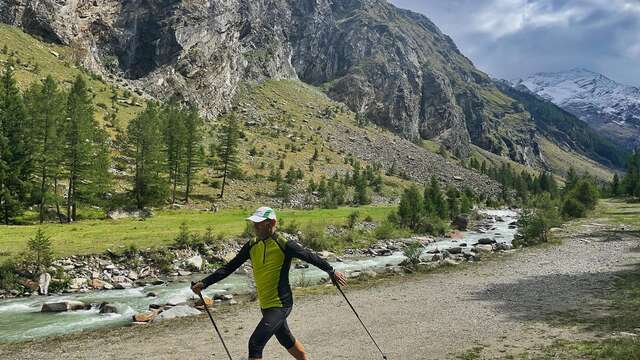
(391, 65)
(611, 108)
(564, 128)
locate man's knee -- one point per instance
(255, 348)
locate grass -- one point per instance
(37, 60)
(561, 159)
(96, 236)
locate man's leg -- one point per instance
(272, 320)
(286, 339)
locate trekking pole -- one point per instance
(213, 322)
(358, 316)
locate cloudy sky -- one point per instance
(513, 38)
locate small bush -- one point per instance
(39, 253)
(8, 275)
(413, 252)
(163, 259)
(352, 219)
(385, 231)
(315, 239)
(183, 239)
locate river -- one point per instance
(21, 319)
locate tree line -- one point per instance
(50, 140)
(55, 156)
(629, 185)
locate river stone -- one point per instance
(195, 262)
(144, 317)
(484, 248)
(106, 308)
(184, 273)
(67, 305)
(207, 300)
(176, 312)
(133, 275)
(455, 250)
(77, 283)
(123, 285)
(97, 284)
(486, 241)
(43, 283)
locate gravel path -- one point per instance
(504, 305)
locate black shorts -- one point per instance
(274, 322)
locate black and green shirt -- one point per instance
(271, 261)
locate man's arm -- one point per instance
(228, 268)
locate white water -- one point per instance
(21, 319)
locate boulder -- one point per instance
(455, 250)
(152, 294)
(144, 317)
(455, 234)
(62, 306)
(106, 308)
(96, 284)
(43, 283)
(123, 285)
(461, 222)
(484, 248)
(176, 312)
(486, 241)
(195, 262)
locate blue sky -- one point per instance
(514, 38)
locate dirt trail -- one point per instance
(503, 305)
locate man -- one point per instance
(271, 256)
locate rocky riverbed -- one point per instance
(140, 293)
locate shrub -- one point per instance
(535, 225)
(432, 225)
(315, 239)
(352, 219)
(39, 253)
(413, 252)
(385, 231)
(183, 239)
(163, 259)
(572, 208)
(8, 275)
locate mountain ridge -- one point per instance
(609, 107)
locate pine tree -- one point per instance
(453, 202)
(175, 132)
(45, 107)
(228, 150)
(435, 202)
(39, 253)
(78, 142)
(362, 196)
(97, 179)
(144, 137)
(615, 185)
(411, 208)
(15, 152)
(194, 151)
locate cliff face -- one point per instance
(392, 65)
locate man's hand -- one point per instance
(197, 288)
(339, 278)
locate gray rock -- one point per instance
(106, 308)
(67, 305)
(195, 262)
(177, 312)
(43, 283)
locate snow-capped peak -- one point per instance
(592, 97)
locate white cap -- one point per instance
(262, 214)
